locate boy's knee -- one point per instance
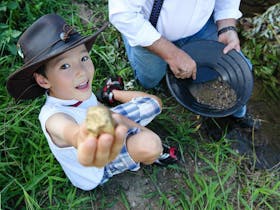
(152, 148)
(145, 147)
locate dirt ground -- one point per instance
(137, 185)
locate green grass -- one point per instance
(213, 176)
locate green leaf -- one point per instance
(3, 8)
(13, 49)
(12, 5)
(15, 33)
(2, 25)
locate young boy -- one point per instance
(57, 64)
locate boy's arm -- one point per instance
(120, 119)
(92, 151)
(124, 96)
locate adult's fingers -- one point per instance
(231, 46)
(194, 74)
(186, 73)
(231, 40)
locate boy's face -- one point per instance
(69, 75)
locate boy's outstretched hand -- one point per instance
(102, 141)
(98, 151)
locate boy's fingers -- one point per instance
(104, 144)
(86, 151)
(120, 134)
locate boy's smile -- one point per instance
(69, 75)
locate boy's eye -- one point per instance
(85, 58)
(65, 66)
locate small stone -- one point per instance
(99, 120)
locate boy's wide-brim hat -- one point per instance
(213, 64)
(46, 38)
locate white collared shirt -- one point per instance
(178, 18)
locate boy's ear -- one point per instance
(41, 80)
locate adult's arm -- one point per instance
(127, 18)
(180, 63)
(226, 13)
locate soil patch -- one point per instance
(218, 94)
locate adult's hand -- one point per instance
(180, 63)
(229, 38)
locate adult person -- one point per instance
(150, 49)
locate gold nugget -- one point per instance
(99, 120)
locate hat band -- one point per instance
(53, 48)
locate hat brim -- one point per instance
(22, 85)
(211, 64)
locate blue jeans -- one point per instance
(149, 69)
